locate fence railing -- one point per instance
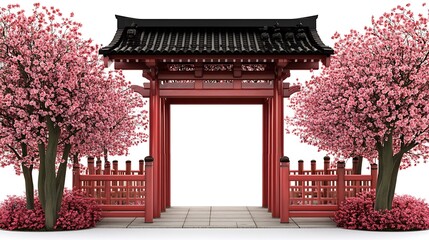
(120, 193)
(317, 193)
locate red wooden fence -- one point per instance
(120, 193)
(317, 193)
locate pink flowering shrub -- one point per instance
(77, 212)
(407, 213)
(14, 215)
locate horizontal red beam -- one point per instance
(130, 65)
(224, 93)
(122, 207)
(123, 213)
(302, 65)
(313, 178)
(313, 207)
(112, 177)
(167, 75)
(357, 177)
(216, 101)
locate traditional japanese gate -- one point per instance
(224, 61)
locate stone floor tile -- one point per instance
(230, 215)
(198, 224)
(231, 220)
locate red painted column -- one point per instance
(163, 161)
(278, 130)
(154, 143)
(284, 190)
(265, 155)
(270, 154)
(167, 151)
(149, 190)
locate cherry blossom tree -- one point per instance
(56, 99)
(372, 100)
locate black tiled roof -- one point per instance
(216, 36)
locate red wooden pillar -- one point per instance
(149, 197)
(278, 142)
(270, 154)
(265, 155)
(154, 148)
(167, 151)
(162, 158)
(284, 190)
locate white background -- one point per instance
(216, 150)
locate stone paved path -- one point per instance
(216, 217)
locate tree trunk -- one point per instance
(50, 178)
(61, 176)
(28, 178)
(41, 180)
(359, 166)
(105, 154)
(387, 175)
(29, 185)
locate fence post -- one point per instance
(340, 182)
(128, 167)
(313, 172)
(91, 171)
(326, 162)
(107, 182)
(98, 166)
(141, 167)
(149, 189)
(115, 167)
(373, 176)
(313, 167)
(300, 167)
(284, 189)
(76, 175)
(90, 165)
